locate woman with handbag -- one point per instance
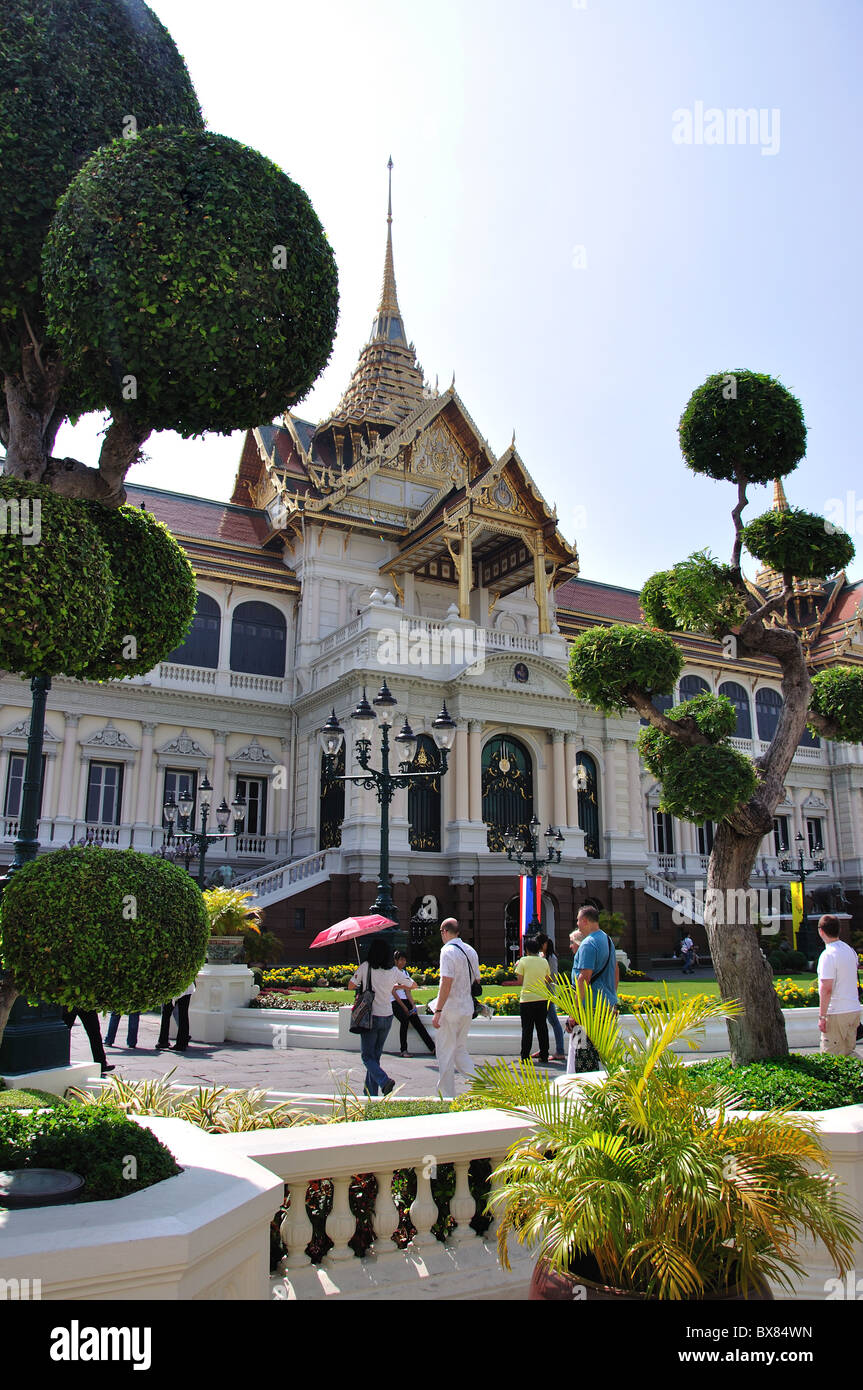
(377, 982)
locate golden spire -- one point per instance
(389, 301)
(780, 501)
(387, 382)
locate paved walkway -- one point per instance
(241, 1065)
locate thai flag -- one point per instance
(527, 888)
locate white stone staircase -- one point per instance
(277, 881)
(680, 900)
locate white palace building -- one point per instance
(389, 543)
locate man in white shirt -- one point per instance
(839, 1004)
(459, 967)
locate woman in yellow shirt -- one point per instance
(532, 970)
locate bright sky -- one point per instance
(578, 269)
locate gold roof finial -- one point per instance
(389, 301)
(780, 501)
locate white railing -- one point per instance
(281, 881)
(188, 675)
(510, 641)
(666, 861)
(273, 685)
(465, 1263)
(343, 634)
(415, 627)
(679, 899)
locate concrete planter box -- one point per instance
(200, 1235)
(488, 1037)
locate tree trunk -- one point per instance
(742, 971)
(8, 995)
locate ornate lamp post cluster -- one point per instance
(527, 854)
(381, 781)
(789, 866)
(196, 842)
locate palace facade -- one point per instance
(389, 542)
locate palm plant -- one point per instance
(230, 913)
(215, 1109)
(646, 1180)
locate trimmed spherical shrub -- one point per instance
(189, 284)
(798, 543)
(701, 784)
(604, 662)
(94, 1142)
(714, 716)
(96, 928)
(742, 424)
(74, 71)
(697, 595)
(837, 695)
(154, 595)
(56, 595)
(654, 604)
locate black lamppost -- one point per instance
(528, 857)
(807, 936)
(381, 781)
(200, 840)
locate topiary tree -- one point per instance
(743, 428)
(103, 929)
(189, 282)
(174, 278)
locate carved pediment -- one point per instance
(252, 753)
(109, 737)
(22, 730)
(184, 745)
(437, 455)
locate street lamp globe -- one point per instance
(385, 703)
(238, 807)
(407, 741)
(185, 803)
(223, 814)
(443, 729)
(206, 793)
(331, 737)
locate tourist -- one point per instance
(595, 967)
(687, 950)
(131, 1030)
(546, 946)
(577, 1057)
(533, 972)
(404, 1008)
(839, 1004)
(459, 969)
(90, 1020)
(182, 1003)
(379, 974)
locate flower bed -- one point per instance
(339, 976)
(278, 999)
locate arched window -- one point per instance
(507, 788)
(201, 647)
(691, 686)
(768, 707)
(332, 800)
(424, 798)
(588, 806)
(258, 637)
(740, 700)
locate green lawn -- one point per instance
(675, 987)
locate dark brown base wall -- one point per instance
(480, 908)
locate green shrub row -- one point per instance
(806, 1082)
(97, 1144)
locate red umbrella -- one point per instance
(349, 928)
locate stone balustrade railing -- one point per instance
(462, 1263)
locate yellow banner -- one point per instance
(796, 910)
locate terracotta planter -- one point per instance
(225, 950)
(548, 1286)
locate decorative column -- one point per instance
(465, 570)
(540, 585)
(143, 825)
(68, 764)
(559, 775)
(219, 740)
(281, 794)
(461, 774)
(636, 808)
(475, 728)
(572, 746)
(610, 779)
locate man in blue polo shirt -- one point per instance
(595, 963)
